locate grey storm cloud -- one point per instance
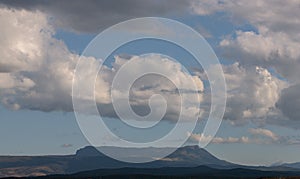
(289, 102)
(92, 16)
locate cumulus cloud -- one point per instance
(146, 86)
(39, 72)
(273, 43)
(270, 49)
(36, 70)
(252, 93)
(24, 35)
(262, 14)
(92, 16)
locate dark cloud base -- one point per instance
(93, 16)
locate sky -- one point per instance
(256, 42)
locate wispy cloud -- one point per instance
(66, 145)
(257, 136)
(264, 132)
(217, 140)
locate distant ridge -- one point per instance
(185, 159)
(201, 172)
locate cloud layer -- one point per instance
(256, 136)
(92, 16)
(272, 44)
(37, 72)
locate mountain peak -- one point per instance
(88, 151)
(183, 156)
(93, 151)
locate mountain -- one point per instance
(292, 165)
(186, 159)
(188, 156)
(89, 158)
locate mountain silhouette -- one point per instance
(188, 160)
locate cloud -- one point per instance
(36, 70)
(216, 140)
(270, 49)
(272, 44)
(265, 136)
(203, 31)
(146, 86)
(92, 16)
(264, 132)
(38, 75)
(25, 35)
(267, 15)
(252, 93)
(289, 102)
(258, 136)
(66, 145)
